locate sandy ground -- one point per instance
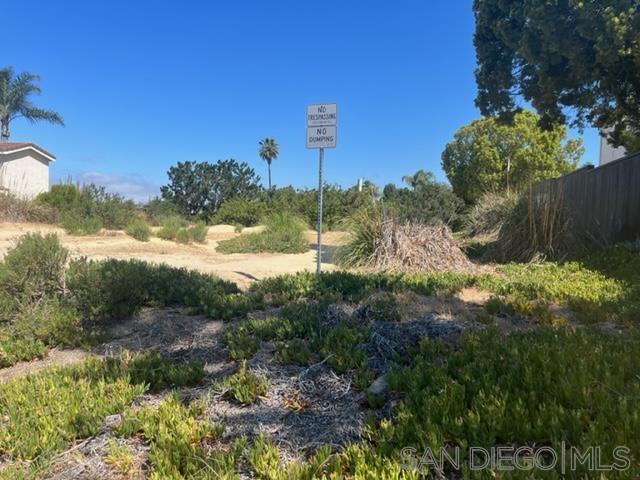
(239, 268)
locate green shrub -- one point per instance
(303, 203)
(109, 289)
(113, 209)
(139, 230)
(214, 303)
(264, 458)
(158, 209)
(116, 289)
(52, 322)
(240, 211)
(84, 208)
(283, 233)
(426, 201)
(243, 386)
(78, 225)
(170, 227)
(183, 236)
(63, 197)
(198, 232)
(34, 266)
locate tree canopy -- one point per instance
(200, 188)
(15, 93)
(488, 156)
(425, 201)
(268, 151)
(578, 56)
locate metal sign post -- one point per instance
(321, 133)
(320, 191)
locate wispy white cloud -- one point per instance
(127, 186)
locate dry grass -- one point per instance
(538, 227)
(14, 209)
(385, 244)
(488, 215)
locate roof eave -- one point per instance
(46, 155)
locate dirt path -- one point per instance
(55, 357)
(239, 268)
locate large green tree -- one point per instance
(569, 58)
(268, 150)
(15, 93)
(489, 156)
(198, 189)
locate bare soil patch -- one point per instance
(55, 357)
(239, 268)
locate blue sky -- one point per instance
(143, 85)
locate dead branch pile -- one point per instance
(417, 248)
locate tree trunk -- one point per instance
(269, 164)
(4, 134)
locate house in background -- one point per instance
(24, 169)
(609, 153)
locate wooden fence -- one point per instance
(603, 202)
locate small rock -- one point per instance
(112, 421)
(379, 385)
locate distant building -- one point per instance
(609, 153)
(24, 169)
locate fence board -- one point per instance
(603, 202)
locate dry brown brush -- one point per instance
(382, 243)
(14, 209)
(538, 226)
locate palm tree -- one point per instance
(418, 179)
(268, 151)
(14, 101)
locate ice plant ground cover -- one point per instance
(305, 377)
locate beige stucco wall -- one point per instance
(24, 174)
